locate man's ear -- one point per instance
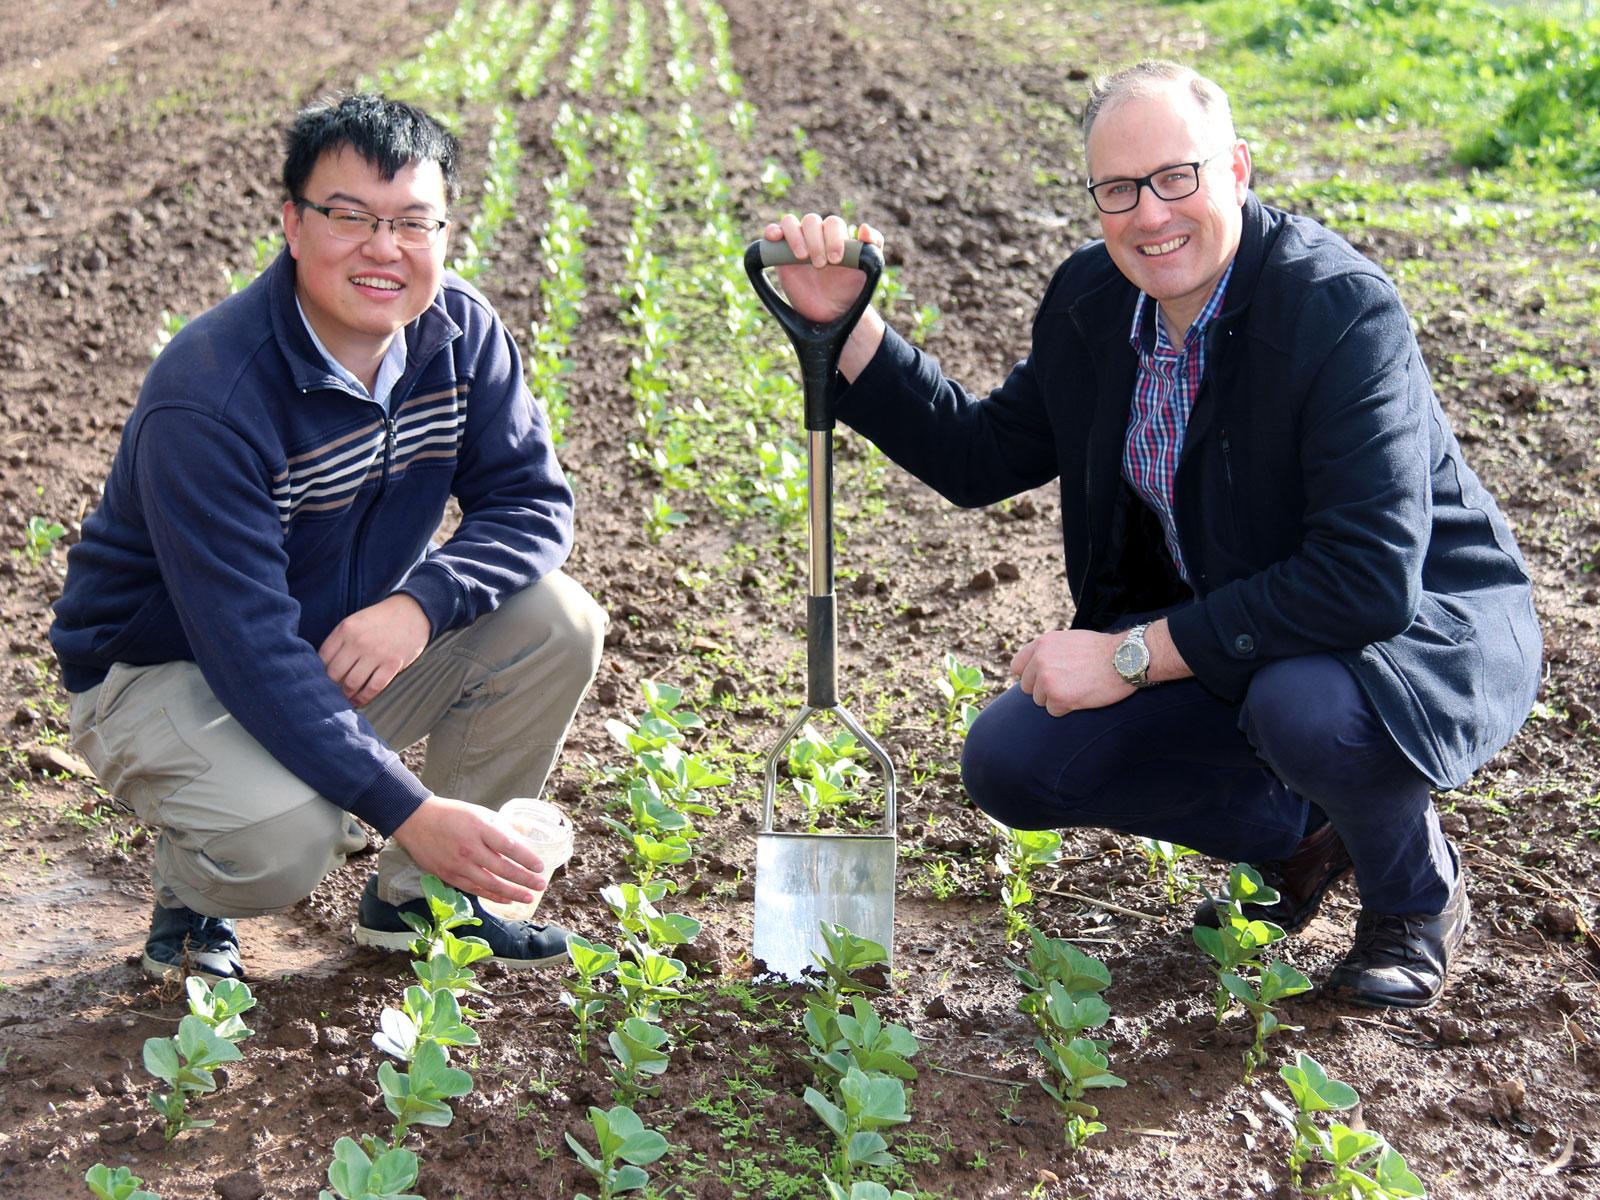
(1242, 169)
(292, 220)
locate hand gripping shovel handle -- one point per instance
(818, 344)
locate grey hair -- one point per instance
(1146, 79)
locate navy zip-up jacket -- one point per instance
(1322, 502)
(256, 501)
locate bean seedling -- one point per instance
(626, 1148)
(119, 1184)
(206, 1038)
(584, 998)
(1024, 852)
(1359, 1163)
(868, 1104)
(421, 1096)
(354, 1176)
(1062, 987)
(185, 1064)
(1166, 856)
(1242, 974)
(39, 538)
(960, 686)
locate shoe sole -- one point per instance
(1357, 1000)
(163, 971)
(379, 939)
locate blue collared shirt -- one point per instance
(389, 370)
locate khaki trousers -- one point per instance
(238, 835)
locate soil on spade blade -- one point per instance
(141, 153)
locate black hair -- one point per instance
(389, 134)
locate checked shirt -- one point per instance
(1163, 396)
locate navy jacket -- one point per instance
(256, 501)
(1322, 502)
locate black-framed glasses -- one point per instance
(1168, 183)
(355, 225)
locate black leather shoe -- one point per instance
(1402, 961)
(1301, 881)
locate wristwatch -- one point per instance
(1132, 658)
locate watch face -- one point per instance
(1127, 660)
(1130, 660)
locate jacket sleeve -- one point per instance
(1364, 459)
(972, 451)
(207, 502)
(516, 523)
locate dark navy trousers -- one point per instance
(1240, 782)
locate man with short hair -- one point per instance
(1296, 607)
(255, 619)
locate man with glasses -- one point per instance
(1296, 608)
(256, 619)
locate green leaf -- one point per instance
(643, 1148)
(433, 1077)
(590, 959)
(831, 1114)
(1281, 980)
(868, 1150)
(628, 1179)
(161, 1059)
(448, 907)
(1240, 988)
(1395, 1177)
(1210, 940)
(200, 1045)
(1312, 1088)
(395, 1168)
(118, 1184)
(351, 1170)
(1344, 1144)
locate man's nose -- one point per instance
(381, 244)
(1151, 210)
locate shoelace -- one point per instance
(1389, 936)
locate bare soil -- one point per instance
(140, 146)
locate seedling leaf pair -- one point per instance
(117, 1184)
(426, 1017)
(420, 1096)
(626, 1148)
(354, 1176)
(860, 1038)
(184, 1063)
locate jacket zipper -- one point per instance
(356, 542)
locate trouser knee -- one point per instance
(561, 625)
(997, 772)
(1311, 724)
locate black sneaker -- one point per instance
(182, 942)
(518, 945)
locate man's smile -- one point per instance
(1167, 247)
(383, 283)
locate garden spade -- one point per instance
(803, 879)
